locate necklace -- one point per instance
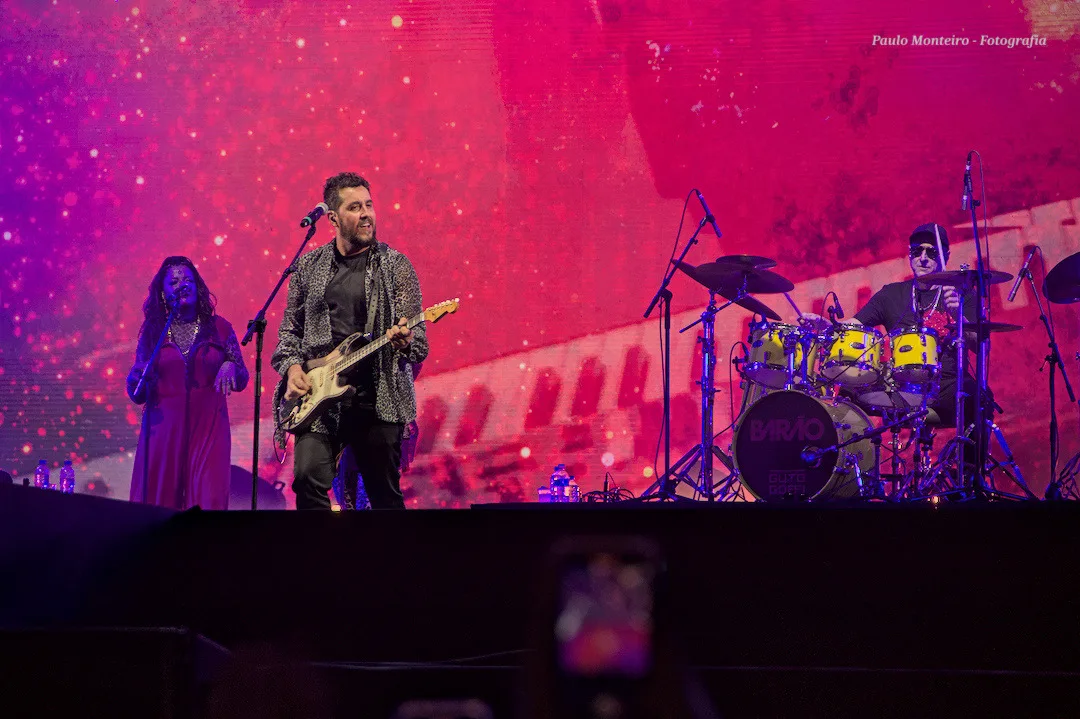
(917, 306)
(186, 332)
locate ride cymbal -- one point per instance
(964, 278)
(746, 262)
(1062, 284)
(726, 280)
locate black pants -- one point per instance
(375, 444)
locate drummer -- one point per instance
(898, 304)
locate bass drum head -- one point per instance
(772, 434)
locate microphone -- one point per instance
(811, 455)
(313, 216)
(838, 308)
(178, 298)
(1020, 275)
(967, 183)
(708, 213)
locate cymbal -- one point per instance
(723, 279)
(993, 229)
(1062, 284)
(753, 304)
(990, 327)
(964, 278)
(745, 262)
(995, 327)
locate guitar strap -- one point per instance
(374, 284)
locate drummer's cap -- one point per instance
(925, 234)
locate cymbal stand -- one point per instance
(663, 294)
(1053, 489)
(703, 453)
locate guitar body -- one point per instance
(328, 375)
(327, 387)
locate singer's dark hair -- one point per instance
(331, 191)
(155, 311)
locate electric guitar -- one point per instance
(327, 375)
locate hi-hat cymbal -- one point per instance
(990, 327)
(725, 280)
(964, 278)
(745, 262)
(753, 304)
(1062, 284)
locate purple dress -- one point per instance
(183, 456)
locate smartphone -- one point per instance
(604, 623)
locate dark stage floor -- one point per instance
(774, 605)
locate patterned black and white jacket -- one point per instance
(393, 291)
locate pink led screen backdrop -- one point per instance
(531, 158)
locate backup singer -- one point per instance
(184, 447)
(353, 284)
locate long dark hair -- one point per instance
(155, 311)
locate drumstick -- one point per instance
(940, 252)
(793, 305)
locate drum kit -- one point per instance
(820, 396)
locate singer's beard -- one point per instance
(355, 239)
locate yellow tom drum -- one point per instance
(915, 355)
(854, 356)
(767, 364)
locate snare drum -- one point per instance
(767, 363)
(854, 358)
(915, 358)
(887, 395)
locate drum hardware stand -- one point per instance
(982, 425)
(1053, 489)
(898, 470)
(982, 420)
(953, 451)
(791, 341)
(877, 489)
(703, 453)
(664, 294)
(812, 456)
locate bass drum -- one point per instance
(770, 438)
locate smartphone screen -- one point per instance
(604, 619)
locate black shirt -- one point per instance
(891, 308)
(346, 298)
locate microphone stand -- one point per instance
(148, 370)
(978, 480)
(257, 328)
(1053, 489)
(664, 294)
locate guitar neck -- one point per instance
(372, 347)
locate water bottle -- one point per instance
(41, 475)
(67, 478)
(575, 491)
(560, 484)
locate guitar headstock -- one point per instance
(437, 312)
